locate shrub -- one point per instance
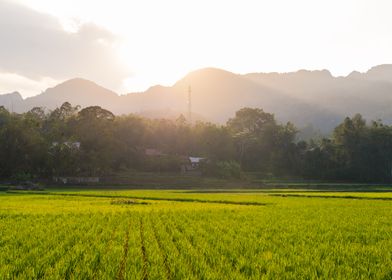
(222, 169)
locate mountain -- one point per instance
(367, 93)
(380, 73)
(314, 98)
(76, 91)
(10, 100)
(216, 95)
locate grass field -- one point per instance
(163, 234)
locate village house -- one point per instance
(191, 164)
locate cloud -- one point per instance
(26, 87)
(36, 46)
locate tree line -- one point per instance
(71, 141)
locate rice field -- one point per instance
(163, 234)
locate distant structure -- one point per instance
(189, 104)
(192, 164)
(68, 144)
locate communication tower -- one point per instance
(189, 104)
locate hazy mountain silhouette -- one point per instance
(367, 93)
(303, 97)
(76, 91)
(11, 100)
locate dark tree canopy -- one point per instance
(70, 141)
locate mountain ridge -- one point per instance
(305, 97)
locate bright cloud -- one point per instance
(160, 41)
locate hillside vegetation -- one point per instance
(70, 141)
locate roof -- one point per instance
(69, 144)
(196, 159)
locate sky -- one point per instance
(128, 46)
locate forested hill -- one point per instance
(302, 97)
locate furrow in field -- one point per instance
(161, 250)
(209, 242)
(178, 263)
(106, 249)
(156, 260)
(226, 244)
(84, 258)
(71, 263)
(143, 251)
(196, 255)
(121, 270)
(40, 248)
(183, 262)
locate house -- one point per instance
(68, 144)
(195, 161)
(72, 145)
(191, 164)
(76, 180)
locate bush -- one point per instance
(21, 177)
(162, 164)
(222, 169)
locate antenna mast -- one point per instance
(190, 104)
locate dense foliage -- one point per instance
(70, 141)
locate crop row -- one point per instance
(289, 241)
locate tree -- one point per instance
(129, 132)
(95, 113)
(94, 128)
(250, 121)
(213, 142)
(255, 133)
(56, 125)
(23, 149)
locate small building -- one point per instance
(75, 180)
(195, 161)
(72, 145)
(191, 164)
(68, 144)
